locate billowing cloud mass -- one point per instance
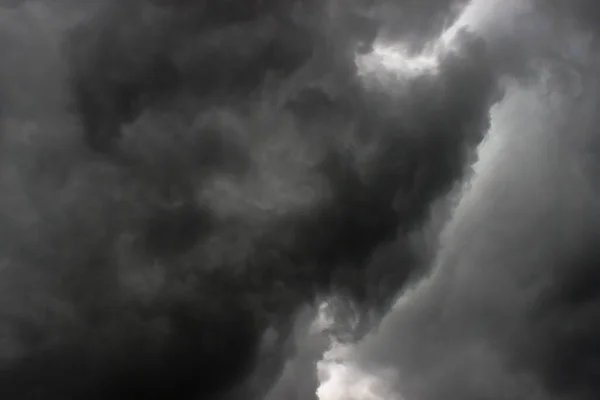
(186, 185)
(509, 308)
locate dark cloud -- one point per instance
(584, 13)
(510, 309)
(180, 179)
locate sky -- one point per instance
(312, 200)
(507, 311)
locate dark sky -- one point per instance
(183, 182)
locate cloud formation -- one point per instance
(182, 180)
(508, 309)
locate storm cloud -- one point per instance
(508, 309)
(183, 182)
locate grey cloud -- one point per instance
(508, 311)
(192, 175)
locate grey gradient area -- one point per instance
(181, 180)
